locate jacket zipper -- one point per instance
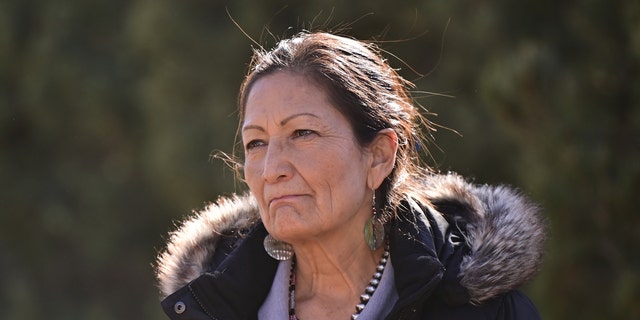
(201, 305)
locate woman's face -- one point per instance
(302, 161)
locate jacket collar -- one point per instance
(240, 283)
(414, 255)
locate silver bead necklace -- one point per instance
(364, 298)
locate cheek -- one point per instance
(250, 171)
(252, 177)
(342, 172)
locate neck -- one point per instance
(333, 276)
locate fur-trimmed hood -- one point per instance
(504, 232)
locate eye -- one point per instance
(303, 133)
(254, 144)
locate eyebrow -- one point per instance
(282, 123)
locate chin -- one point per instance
(291, 233)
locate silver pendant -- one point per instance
(277, 249)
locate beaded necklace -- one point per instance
(364, 298)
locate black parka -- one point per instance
(463, 256)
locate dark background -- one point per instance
(111, 109)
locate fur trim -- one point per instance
(191, 247)
(504, 231)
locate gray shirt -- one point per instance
(276, 306)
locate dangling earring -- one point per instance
(277, 249)
(373, 228)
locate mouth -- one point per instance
(283, 199)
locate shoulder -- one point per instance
(191, 248)
(513, 305)
(501, 235)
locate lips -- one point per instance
(283, 199)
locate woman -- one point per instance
(341, 221)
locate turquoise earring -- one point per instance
(373, 228)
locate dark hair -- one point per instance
(364, 88)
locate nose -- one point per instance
(277, 165)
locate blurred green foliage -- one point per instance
(110, 110)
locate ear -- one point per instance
(383, 150)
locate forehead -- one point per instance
(283, 93)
